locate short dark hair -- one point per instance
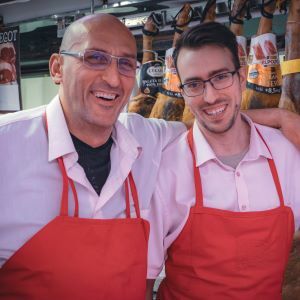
(210, 33)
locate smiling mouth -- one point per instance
(216, 111)
(105, 96)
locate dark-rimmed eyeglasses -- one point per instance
(99, 60)
(220, 81)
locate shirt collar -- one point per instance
(126, 141)
(204, 152)
(60, 141)
(257, 146)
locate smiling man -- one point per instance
(92, 243)
(228, 198)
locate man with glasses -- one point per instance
(228, 194)
(75, 183)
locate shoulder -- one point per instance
(22, 121)
(130, 120)
(157, 130)
(21, 116)
(279, 145)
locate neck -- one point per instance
(231, 142)
(90, 134)
(92, 140)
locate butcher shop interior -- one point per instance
(267, 34)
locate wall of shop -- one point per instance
(37, 91)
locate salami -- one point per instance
(170, 104)
(290, 98)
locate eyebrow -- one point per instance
(210, 74)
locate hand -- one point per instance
(288, 122)
(290, 126)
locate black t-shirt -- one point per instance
(95, 161)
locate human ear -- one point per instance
(242, 77)
(55, 68)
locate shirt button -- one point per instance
(244, 207)
(238, 174)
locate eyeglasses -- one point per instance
(219, 82)
(99, 60)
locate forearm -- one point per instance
(271, 117)
(287, 121)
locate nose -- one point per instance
(111, 74)
(210, 94)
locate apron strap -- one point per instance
(66, 181)
(134, 195)
(198, 184)
(64, 197)
(127, 199)
(273, 171)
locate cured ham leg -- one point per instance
(237, 27)
(290, 97)
(144, 101)
(170, 104)
(264, 75)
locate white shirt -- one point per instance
(249, 187)
(31, 182)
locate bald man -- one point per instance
(75, 181)
(92, 242)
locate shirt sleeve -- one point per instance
(169, 130)
(291, 191)
(158, 218)
(167, 218)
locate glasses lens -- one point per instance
(222, 81)
(127, 66)
(193, 88)
(97, 59)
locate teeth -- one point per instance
(105, 95)
(215, 112)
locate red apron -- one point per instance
(78, 258)
(225, 255)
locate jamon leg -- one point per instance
(290, 97)
(168, 106)
(264, 75)
(143, 103)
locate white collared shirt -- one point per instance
(31, 182)
(249, 187)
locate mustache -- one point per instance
(219, 101)
(106, 87)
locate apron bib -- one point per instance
(80, 258)
(226, 255)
